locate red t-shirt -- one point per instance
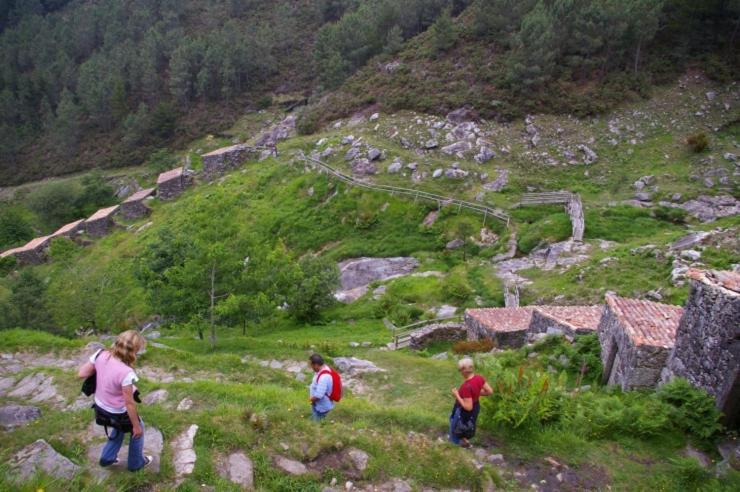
(472, 387)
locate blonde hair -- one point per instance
(126, 346)
(466, 364)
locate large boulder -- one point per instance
(289, 466)
(238, 469)
(354, 366)
(361, 271)
(363, 167)
(462, 115)
(499, 183)
(183, 454)
(17, 415)
(457, 148)
(40, 456)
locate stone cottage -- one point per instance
(707, 348)
(507, 327)
(566, 320)
(636, 339)
(134, 207)
(33, 253)
(172, 183)
(101, 222)
(70, 230)
(221, 160)
(512, 326)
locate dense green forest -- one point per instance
(103, 84)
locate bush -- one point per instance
(672, 215)
(15, 228)
(692, 410)
(522, 400)
(473, 346)
(162, 160)
(55, 203)
(698, 142)
(457, 288)
(308, 123)
(264, 102)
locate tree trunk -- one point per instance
(213, 305)
(637, 56)
(244, 327)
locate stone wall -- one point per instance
(707, 350)
(99, 227)
(134, 210)
(172, 185)
(475, 329)
(544, 324)
(510, 338)
(221, 160)
(439, 332)
(628, 365)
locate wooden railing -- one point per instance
(402, 335)
(416, 194)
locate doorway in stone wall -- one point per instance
(731, 406)
(612, 362)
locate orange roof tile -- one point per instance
(103, 213)
(647, 322)
(577, 317)
(140, 195)
(169, 175)
(503, 319)
(10, 252)
(66, 229)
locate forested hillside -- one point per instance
(104, 84)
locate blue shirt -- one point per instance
(320, 388)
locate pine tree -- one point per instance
(444, 35)
(67, 125)
(394, 40)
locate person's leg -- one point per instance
(136, 450)
(317, 416)
(110, 451)
(454, 417)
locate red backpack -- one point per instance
(336, 387)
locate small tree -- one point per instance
(394, 40)
(463, 231)
(315, 289)
(15, 228)
(444, 35)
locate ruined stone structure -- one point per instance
(507, 327)
(101, 222)
(438, 332)
(512, 326)
(221, 160)
(707, 348)
(70, 230)
(33, 253)
(566, 320)
(636, 339)
(172, 183)
(134, 207)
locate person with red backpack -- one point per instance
(325, 389)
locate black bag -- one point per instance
(119, 421)
(465, 425)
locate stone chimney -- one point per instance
(707, 348)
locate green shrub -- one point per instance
(672, 215)
(457, 288)
(692, 410)
(7, 265)
(308, 123)
(63, 250)
(697, 142)
(522, 400)
(15, 227)
(162, 160)
(264, 102)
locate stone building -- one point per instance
(707, 348)
(172, 183)
(134, 207)
(636, 339)
(101, 222)
(507, 327)
(565, 320)
(70, 230)
(221, 160)
(438, 332)
(32, 253)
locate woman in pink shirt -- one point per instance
(114, 394)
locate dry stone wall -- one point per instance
(222, 160)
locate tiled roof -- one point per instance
(168, 175)
(66, 229)
(35, 243)
(726, 279)
(577, 317)
(646, 322)
(503, 319)
(10, 252)
(225, 150)
(140, 195)
(103, 213)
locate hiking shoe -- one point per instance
(148, 460)
(109, 464)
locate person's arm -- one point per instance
(86, 370)
(486, 390)
(320, 391)
(465, 403)
(128, 398)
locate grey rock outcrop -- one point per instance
(589, 156)
(289, 466)
(354, 366)
(363, 167)
(155, 397)
(40, 456)
(708, 208)
(499, 183)
(17, 415)
(357, 273)
(462, 115)
(238, 469)
(184, 456)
